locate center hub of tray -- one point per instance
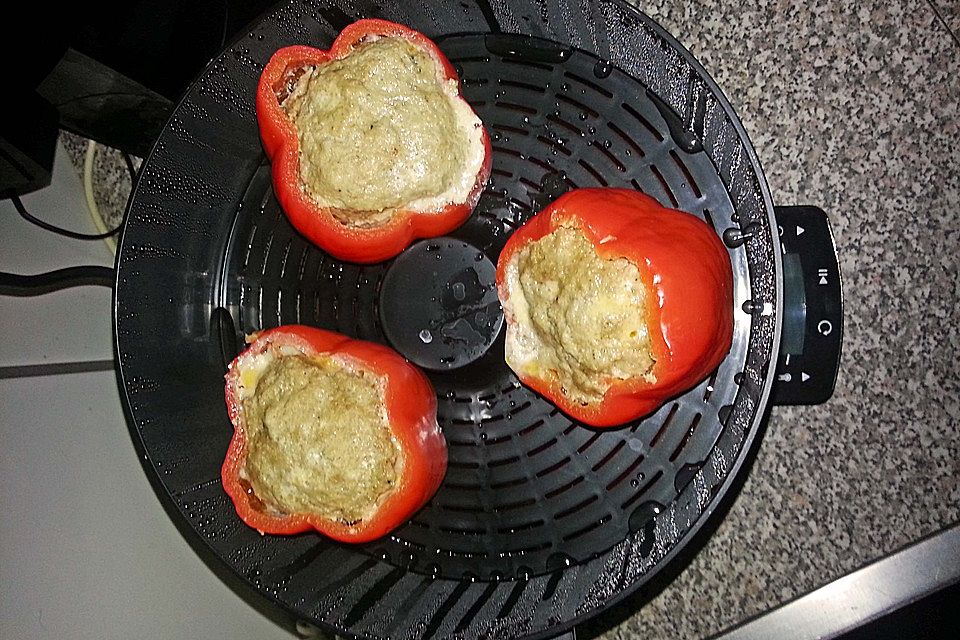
(438, 304)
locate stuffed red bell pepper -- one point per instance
(330, 433)
(614, 303)
(371, 142)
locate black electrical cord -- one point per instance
(26, 215)
(15, 284)
(130, 168)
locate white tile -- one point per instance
(86, 550)
(65, 326)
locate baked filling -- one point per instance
(318, 438)
(382, 129)
(578, 318)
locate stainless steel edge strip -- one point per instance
(863, 595)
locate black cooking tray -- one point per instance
(540, 522)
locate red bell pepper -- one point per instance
(411, 407)
(686, 274)
(279, 135)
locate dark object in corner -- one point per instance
(28, 138)
(29, 128)
(97, 102)
(933, 617)
(128, 62)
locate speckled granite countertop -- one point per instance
(854, 108)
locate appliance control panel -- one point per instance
(809, 354)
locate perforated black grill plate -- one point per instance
(539, 520)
